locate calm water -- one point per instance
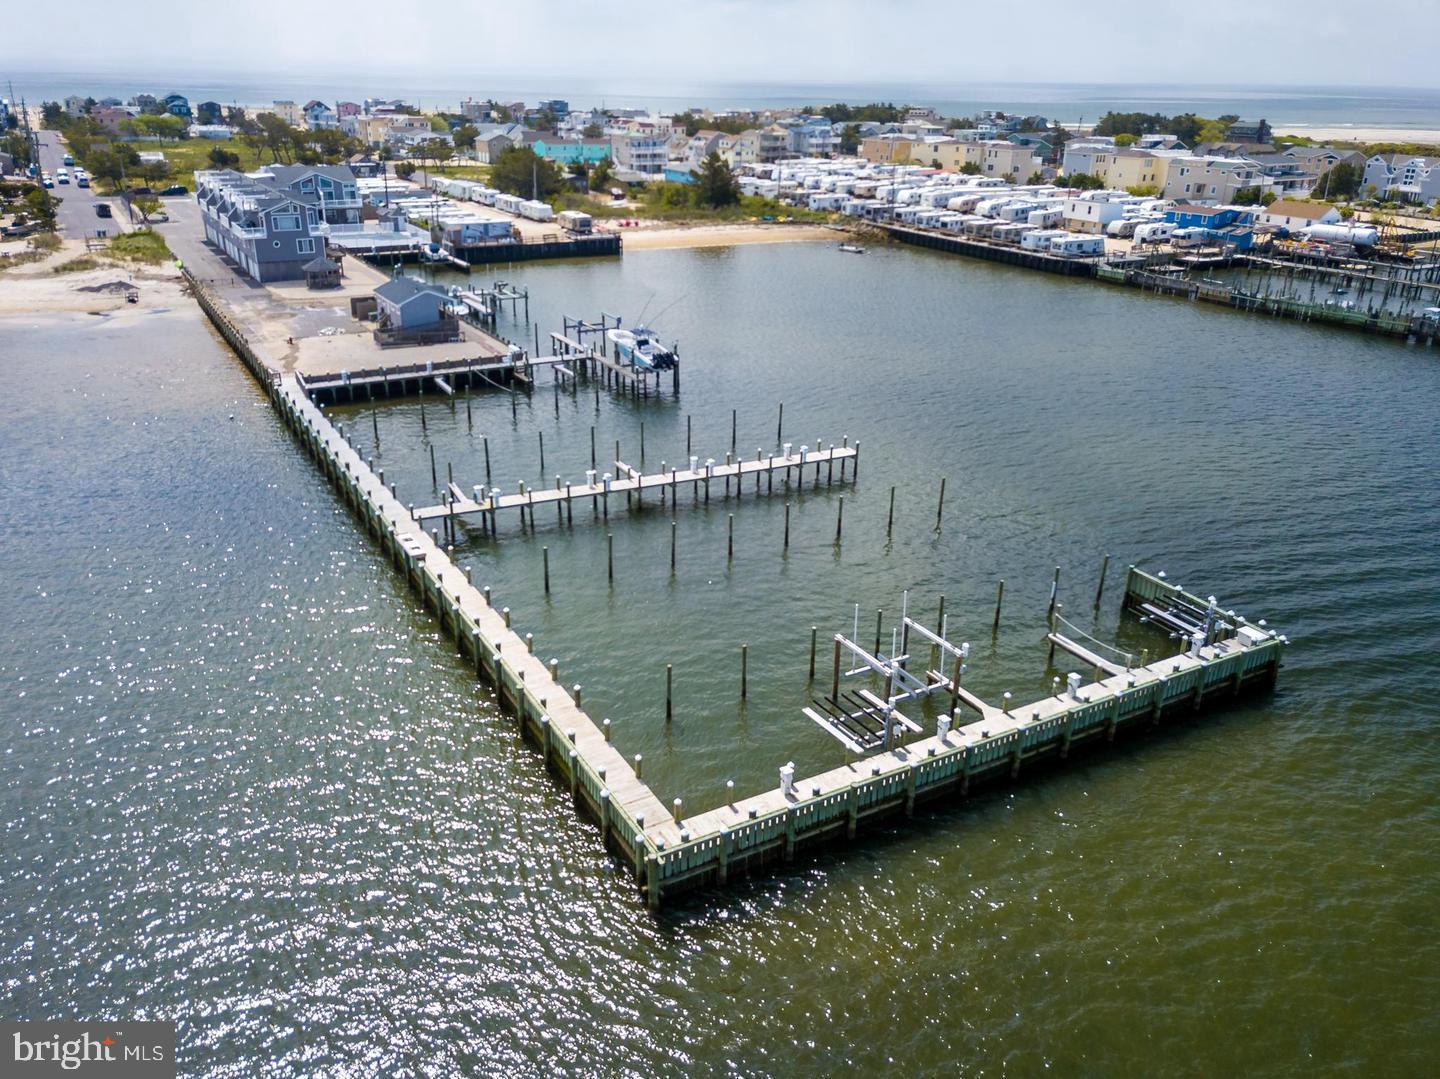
(244, 784)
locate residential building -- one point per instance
(814, 136)
(1248, 131)
(269, 231)
(109, 117)
(741, 149)
(1209, 179)
(558, 107)
(774, 143)
(645, 154)
(569, 151)
(699, 146)
(1294, 216)
(320, 116)
(177, 105)
(209, 112)
(396, 129)
(347, 108)
(1080, 154)
(1039, 145)
(143, 101)
(1321, 159)
(1123, 169)
(1285, 175)
(288, 111)
(1006, 159)
(495, 139)
(74, 106)
(1411, 177)
(330, 189)
(1191, 216)
(890, 148)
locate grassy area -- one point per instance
(480, 173)
(142, 245)
(78, 265)
(669, 202)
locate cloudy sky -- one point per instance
(832, 42)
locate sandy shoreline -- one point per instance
(662, 237)
(1343, 133)
(35, 290)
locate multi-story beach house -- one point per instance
(271, 225)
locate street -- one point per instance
(76, 213)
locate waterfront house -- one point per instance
(271, 232)
(1320, 159)
(406, 304)
(774, 143)
(288, 111)
(1254, 131)
(320, 116)
(1412, 177)
(1294, 216)
(1080, 154)
(643, 154)
(1191, 216)
(569, 151)
(177, 105)
(329, 189)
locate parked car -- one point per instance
(47, 180)
(102, 209)
(69, 159)
(176, 189)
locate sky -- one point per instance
(678, 44)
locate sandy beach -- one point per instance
(35, 289)
(659, 236)
(1344, 133)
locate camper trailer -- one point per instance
(575, 221)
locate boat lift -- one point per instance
(863, 721)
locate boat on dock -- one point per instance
(641, 348)
(853, 249)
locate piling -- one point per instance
(780, 424)
(687, 434)
(999, 596)
(835, 672)
(672, 548)
(814, 635)
(542, 451)
(787, 526)
(610, 556)
(669, 698)
(375, 426)
(592, 445)
(434, 476)
(839, 520)
(546, 552)
(744, 667)
(940, 509)
(1054, 595)
(485, 439)
(879, 617)
(890, 521)
(732, 430)
(730, 542)
(1100, 588)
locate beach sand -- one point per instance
(1363, 134)
(648, 238)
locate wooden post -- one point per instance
(669, 686)
(672, 548)
(542, 451)
(879, 617)
(610, 556)
(814, 634)
(839, 519)
(485, 439)
(780, 424)
(744, 667)
(787, 526)
(955, 684)
(1054, 594)
(434, 476)
(940, 509)
(592, 445)
(999, 595)
(835, 673)
(642, 445)
(939, 627)
(732, 430)
(687, 434)
(375, 424)
(890, 522)
(546, 552)
(1100, 588)
(730, 542)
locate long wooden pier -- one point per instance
(628, 481)
(669, 856)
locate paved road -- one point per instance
(76, 213)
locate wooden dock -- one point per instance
(1224, 658)
(628, 482)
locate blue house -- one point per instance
(568, 151)
(177, 105)
(1186, 216)
(678, 175)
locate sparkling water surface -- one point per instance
(245, 784)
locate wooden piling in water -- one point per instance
(434, 477)
(890, 521)
(546, 552)
(787, 526)
(669, 688)
(940, 509)
(730, 541)
(672, 547)
(744, 667)
(610, 556)
(1100, 588)
(839, 520)
(814, 634)
(999, 596)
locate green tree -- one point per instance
(1084, 181)
(1036, 177)
(716, 184)
(147, 205)
(404, 170)
(439, 125)
(52, 115)
(1247, 196)
(277, 136)
(593, 131)
(521, 171)
(1143, 191)
(1125, 138)
(1339, 182)
(580, 171)
(222, 158)
(849, 139)
(464, 136)
(970, 168)
(602, 175)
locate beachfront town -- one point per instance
(319, 193)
